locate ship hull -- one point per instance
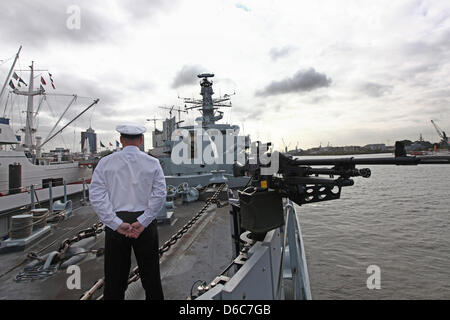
(33, 174)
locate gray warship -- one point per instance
(237, 241)
(200, 138)
(197, 262)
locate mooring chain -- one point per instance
(134, 274)
(35, 273)
(83, 234)
(38, 272)
(166, 246)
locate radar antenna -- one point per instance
(208, 106)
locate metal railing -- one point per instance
(5, 217)
(36, 186)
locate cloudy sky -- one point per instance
(348, 72)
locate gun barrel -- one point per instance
(374, 161)
(365, 173)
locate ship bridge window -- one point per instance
(55, 182)
(193, 146)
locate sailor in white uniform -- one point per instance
(127, 191)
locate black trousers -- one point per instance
(118, 260)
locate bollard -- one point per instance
(84, 191)
(65, 191)
(32, 197)
(50, 196)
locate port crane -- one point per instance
(442, 134)
(175, 109)
(286, 147)
(154, 121)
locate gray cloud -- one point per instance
(38, 22)
(376, 90)
(434, 46)
(256, 113)
(144, 9)
(426, 56)
(144, 87)
(187, 75)
(302, 81)
(319, 99)
(422, 68)
(242, 7)
(93, 88)
(276, 53)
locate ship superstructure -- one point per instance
(193, 153)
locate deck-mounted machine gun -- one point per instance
(303, 182)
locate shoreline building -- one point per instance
(141, 147)
(89, 140)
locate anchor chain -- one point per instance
(134, 274)
(39, 272)
(166, 246)
(95, 230)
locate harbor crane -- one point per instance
(154, 121)
(442, 134)
(286, 147)
(172, 108)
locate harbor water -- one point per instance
(397, 220)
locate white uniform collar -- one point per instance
(130, 149)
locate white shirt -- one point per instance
(128, 180)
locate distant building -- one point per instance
(89, 137)
(351, 148)
(59, 154)
(141, 147)
(414, 147)
(375, 147)
(157, 138)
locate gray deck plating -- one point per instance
(197, 256)
(200, 255)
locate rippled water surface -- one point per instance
(398, 219)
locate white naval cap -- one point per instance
(130, 129)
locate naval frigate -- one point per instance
(206, 150)
(236, 245)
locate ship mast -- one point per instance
(29, 125)
(208, 105)
(10, 71)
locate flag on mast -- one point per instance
(102, 145)
(11, 84)
(117, 144)
(15, 76)
(110, 144)
(20, 80)
(43, 81)
(51, 79)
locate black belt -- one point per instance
(128, 216)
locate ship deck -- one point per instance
(198, 255)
